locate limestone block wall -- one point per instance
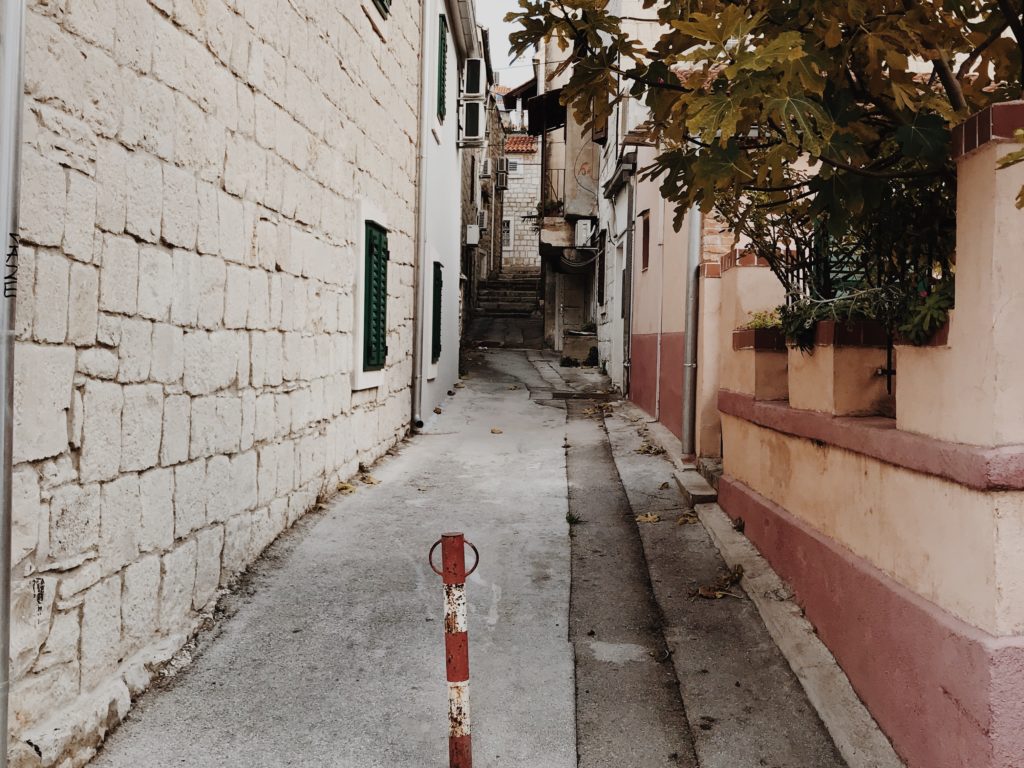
(521, 200)
(194, 176)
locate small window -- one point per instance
(645, 229)
(435, 346)
(506, 234)
(384, 6)
(375, 298)
(442, 69)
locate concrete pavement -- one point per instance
(332, 651)
(334, 656)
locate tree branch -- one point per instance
(1013, 18)
(950, 84)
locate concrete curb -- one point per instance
(856, 735)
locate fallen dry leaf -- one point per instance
(688, 518)
(459, 385)
(650, 450)
(368, 479)
(514, 386)
(346, 488)
(438, 411)
(664, 486)
(721, 586)
(496, 431)
(649, 518)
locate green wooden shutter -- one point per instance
(438, 293)
(375, 298)
(442, 69)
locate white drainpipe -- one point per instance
(418, 282)
(12, 75)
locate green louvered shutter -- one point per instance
(442, 70)
(375, 297)
(438, 289)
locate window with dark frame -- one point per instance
(645, 229)
(375, 298)
(384, 6)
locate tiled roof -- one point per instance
(521, 142)
(501, 90)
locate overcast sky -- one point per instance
(490, 14)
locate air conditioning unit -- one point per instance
(584, 233)
(476, 79)
(481, 218)
(502, 165)
(502, 182)
(472, 234)
(473, 120)
(485, 168)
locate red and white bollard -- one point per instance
(456, 644)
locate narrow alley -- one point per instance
(330, 653)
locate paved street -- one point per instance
(330, 653)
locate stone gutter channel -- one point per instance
(665, 676)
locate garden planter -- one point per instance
(759, 363)
(840, 376)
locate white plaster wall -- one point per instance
(194, 174)
(443, 201)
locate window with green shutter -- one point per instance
(435, 349)
(375, 298)
(384, 6)
(442, 69)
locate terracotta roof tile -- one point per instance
(521, 143)
(501, 90)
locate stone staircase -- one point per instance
(509, 296)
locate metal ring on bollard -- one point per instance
(477, 553)
(430, 558)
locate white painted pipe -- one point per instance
(12, 76)
(418, 281)
(693, 258)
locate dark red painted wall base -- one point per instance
(947, 694)
(644, 377)
(643, 371)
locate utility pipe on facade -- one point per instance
(693, 259)
(418, 282)
(12, 43)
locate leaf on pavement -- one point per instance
(368, 479)
(346, 488)
(496, 431)
(648, 518)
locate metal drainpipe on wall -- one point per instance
(12, 75)
(693, 260)
(421, 224)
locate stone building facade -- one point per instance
(520, 249)
(196, 181)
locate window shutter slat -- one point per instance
(438, 293)
(442, 69)
(375, 308)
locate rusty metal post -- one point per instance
(456, 644)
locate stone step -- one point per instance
(694, 488)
